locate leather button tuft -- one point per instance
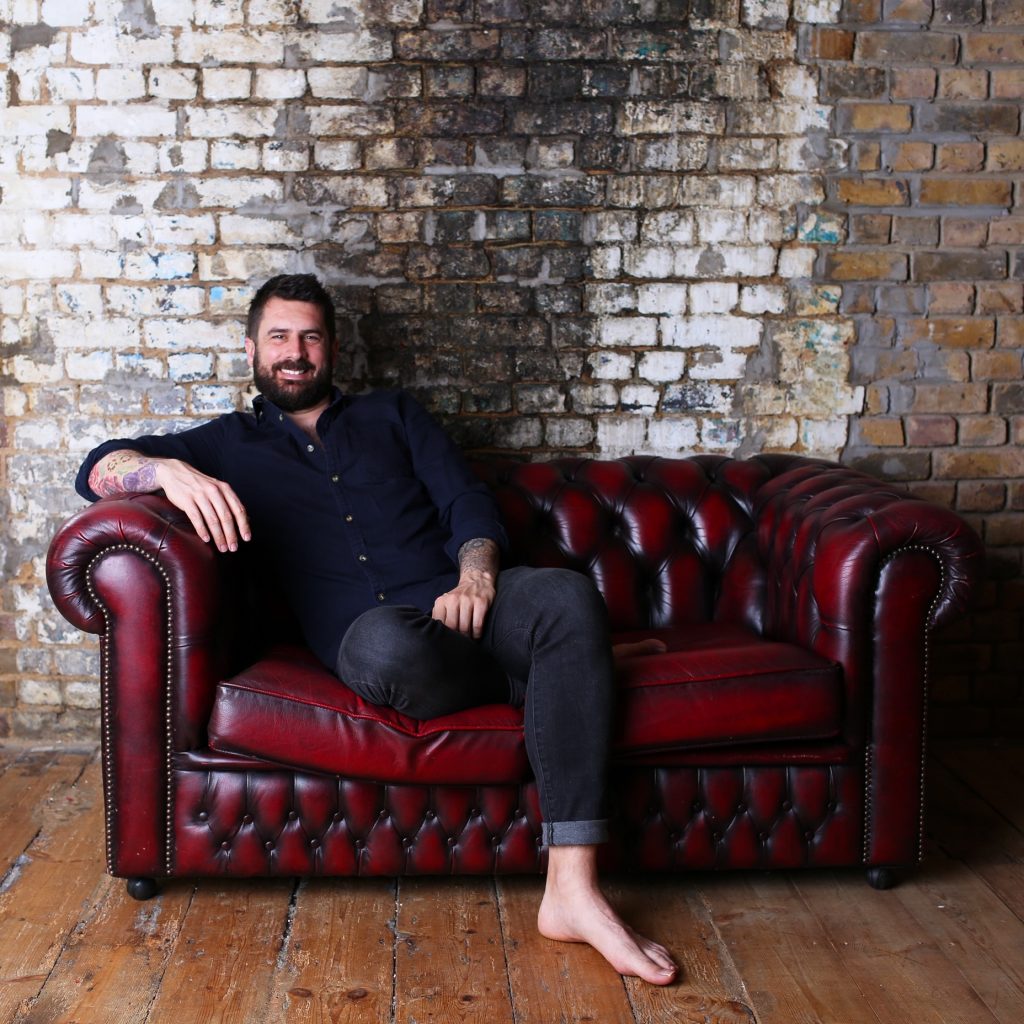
(203, 816)
(314, 843)
(293, 815)
(247, 820)
(225, 845)
(268, 845)
(451, 840)
(359, 844)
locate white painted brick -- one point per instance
(37, 692)
(28, 370)
(271, 12)
(661, 367)
(720, 191)
(234, 155)
(713, 297)
(796, 262)
(765, 226)
(338, 83)
(358, 47)
(355, 191)
(34, 119)
(97, 264)
(222, 47)
(173, 12)
(671, 435)
(610, 226)
(80, 299)
(817, 11)
(611, 298)
(611, 365)
(120, 84)
(137, 365)
(720, 435)
(246, 264)
(661, 298)
(675, 226)
(718, 364)
(164, 266)
(36, 229)
(632, 331)
(667, 117)
(232, 192)
(184, 335)
(337, 156)
(748, 154)
(648, 260)
(594, 398)
(189, 157)
(639, 398)
(765, 13)
(342, 119)
(140, 120)
(173, 83)
(285, 156)
(562, 432)
(183, 229)
(12, 299)
(280, 83)
(106, 45)
(618, 436)
(89, 365)
(70, 84)
(226, 83)
(189, 366)
(824, 438)
(763, 298)
(36, 264)
(219, 122)
(106, 333)
(236, 229)
(130, 197)
(220, 12)
(84, 695)
(789, 189)
(780, 117)
(721, 225)
(605, 261)
(721, 331)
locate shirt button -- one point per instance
(310, 448)
(334, 478)
(362, 558)
(348, 518)
(382, 597)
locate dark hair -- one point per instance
(294, 288)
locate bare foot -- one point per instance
(575, 910)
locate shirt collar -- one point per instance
(268, 414)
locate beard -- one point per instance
(293, 396)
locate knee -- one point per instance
(568, 594)
(386, 656)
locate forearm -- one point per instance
(479, 561)
(124, 472)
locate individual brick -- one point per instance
(999, 47)
(906, 47)
(931, 431)
(970, 118)
(942, 266)
(982, 431)
(875, 117)
(873, 192)
(959, 157)
(971, 191)
(866, 266)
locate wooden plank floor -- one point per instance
(945, 947)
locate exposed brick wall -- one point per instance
(605, 227)
(928, 96)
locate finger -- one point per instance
(212, 521)
(241, 517)
(196, 519)
(479, 616)
(226, 518)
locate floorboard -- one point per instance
(946, 946)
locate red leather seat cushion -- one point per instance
(716, 685)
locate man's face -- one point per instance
(292, 358)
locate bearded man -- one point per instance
(387, 548)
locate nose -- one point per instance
(294, 346)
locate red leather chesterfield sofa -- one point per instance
(783, 728)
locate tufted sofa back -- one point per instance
(667, 541)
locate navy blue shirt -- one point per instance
(375, 515)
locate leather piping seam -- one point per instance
(106, 711)
(926, 669)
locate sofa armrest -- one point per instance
(133, 571)
(862, 574)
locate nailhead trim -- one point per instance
(868, 760)
(106, 710)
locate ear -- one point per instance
(250, 350)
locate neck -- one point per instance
(305, 419)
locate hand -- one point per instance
(465, 608)
(211, 505)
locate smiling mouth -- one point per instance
(294, 372)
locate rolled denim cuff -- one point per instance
(573, 833)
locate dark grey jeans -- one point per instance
(545, 648)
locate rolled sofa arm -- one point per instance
(133, 571)
(862, 574)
